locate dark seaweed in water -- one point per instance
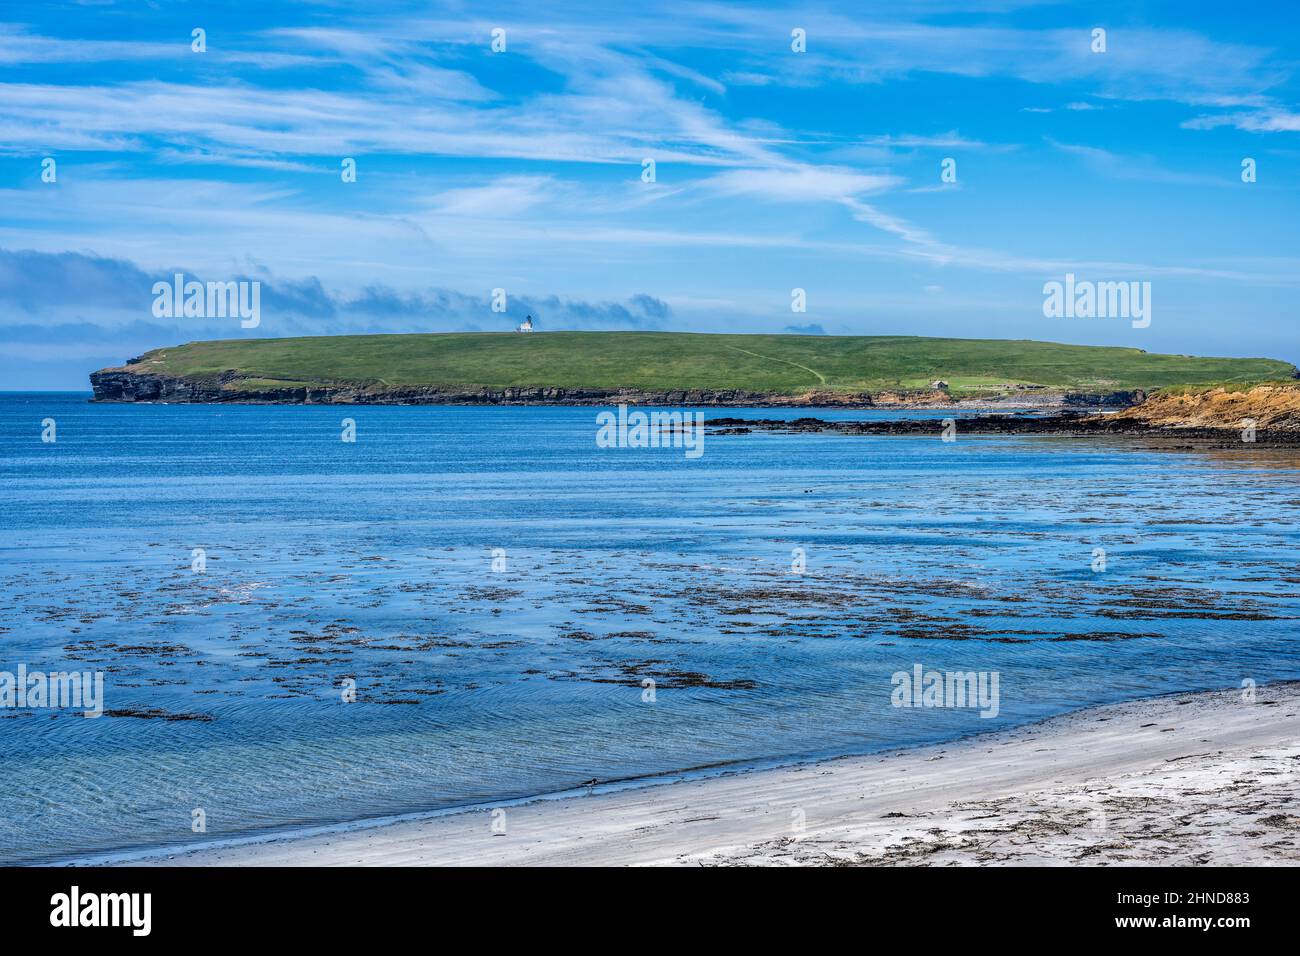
(153, 713)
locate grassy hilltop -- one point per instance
(660, 361)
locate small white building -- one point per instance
(526, 325)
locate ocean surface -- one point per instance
(483, 675)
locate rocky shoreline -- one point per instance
(1062, 425)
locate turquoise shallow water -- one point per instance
(373, 561)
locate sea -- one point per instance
(468, 606)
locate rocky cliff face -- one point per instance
(1104, 400)
(123, 385)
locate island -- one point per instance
(670, 368)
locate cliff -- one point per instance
(133, 383)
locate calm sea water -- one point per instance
(373, 562)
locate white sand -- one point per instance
(1195, 778)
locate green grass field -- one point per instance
(672, 360)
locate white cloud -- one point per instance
(799, 183)
(1260, 121)
(1135, 168)
(502, 198)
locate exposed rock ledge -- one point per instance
(134, 384)
(1273, 407)
(1065, 424)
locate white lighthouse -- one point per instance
(526, 325)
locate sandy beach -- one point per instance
(1207, 778)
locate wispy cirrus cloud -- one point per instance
(1268, 120)
(1136, 168)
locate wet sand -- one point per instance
(1207, 778)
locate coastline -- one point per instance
(130, 384)
(1201, 777)
(1222, 415)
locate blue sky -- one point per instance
(522, 169)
